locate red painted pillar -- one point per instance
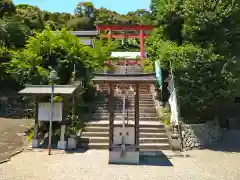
(142, 44)
(109, 34)
(109, 38)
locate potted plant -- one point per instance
(73, 128)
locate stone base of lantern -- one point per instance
(62, 145)
(35, 143)
(131, 156)
(72, 143)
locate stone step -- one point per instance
(96, 129)
(130, 122)
(132, 102)
(100, 115)
(119, 118)
(106, 134)
(106, 139)
(141, 90)
(132, 98)
(143, 147)
(93, 139)
(160, 133)
(142, 113)
(129, 111)
(159, 129)
(131, 107)
(119, 109)
(131, 95)
(154, 146)
(153, 140)
(104, 128)
(95, 134)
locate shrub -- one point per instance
(204, 80)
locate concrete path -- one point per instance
(12, 137)
(93, 165)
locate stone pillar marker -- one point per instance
(35, 142)
(62, 143)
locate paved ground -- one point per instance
(12, 136)
(221, 163)
(93, 165)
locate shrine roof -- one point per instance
(124, 78)
(87, 42)
(85, 33)
(47, 89)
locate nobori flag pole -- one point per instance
(52, 78)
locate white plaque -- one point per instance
(44, 110)
(129, 133)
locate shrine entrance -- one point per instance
(123, 134)
(140, 32)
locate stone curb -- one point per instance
(9, 158)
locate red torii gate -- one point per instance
(140, 28)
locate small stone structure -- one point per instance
(124, 137)
(200, 135)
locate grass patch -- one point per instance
(165, 116)
(30, 133)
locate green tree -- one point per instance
(7, 8)
(200, 39)
(204, 80)
(153, 7)
(140, 16)
(13, 34)
(60, 50)
(213, 22)
(85, 9)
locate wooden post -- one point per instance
(137, 117)
(111, 115)
(73, 104)
(35, 142)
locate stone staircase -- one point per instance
(130, 69)
(152, 132)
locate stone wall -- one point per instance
(12, 105)
(199, 136)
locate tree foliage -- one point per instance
(22, 21)
(7, 8)
(199, 40)
(13, 33)
(60, 50)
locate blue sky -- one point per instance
(121, 6)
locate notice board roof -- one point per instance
(47, 89)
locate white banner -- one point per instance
(173, 102)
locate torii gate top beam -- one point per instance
(125, 27)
